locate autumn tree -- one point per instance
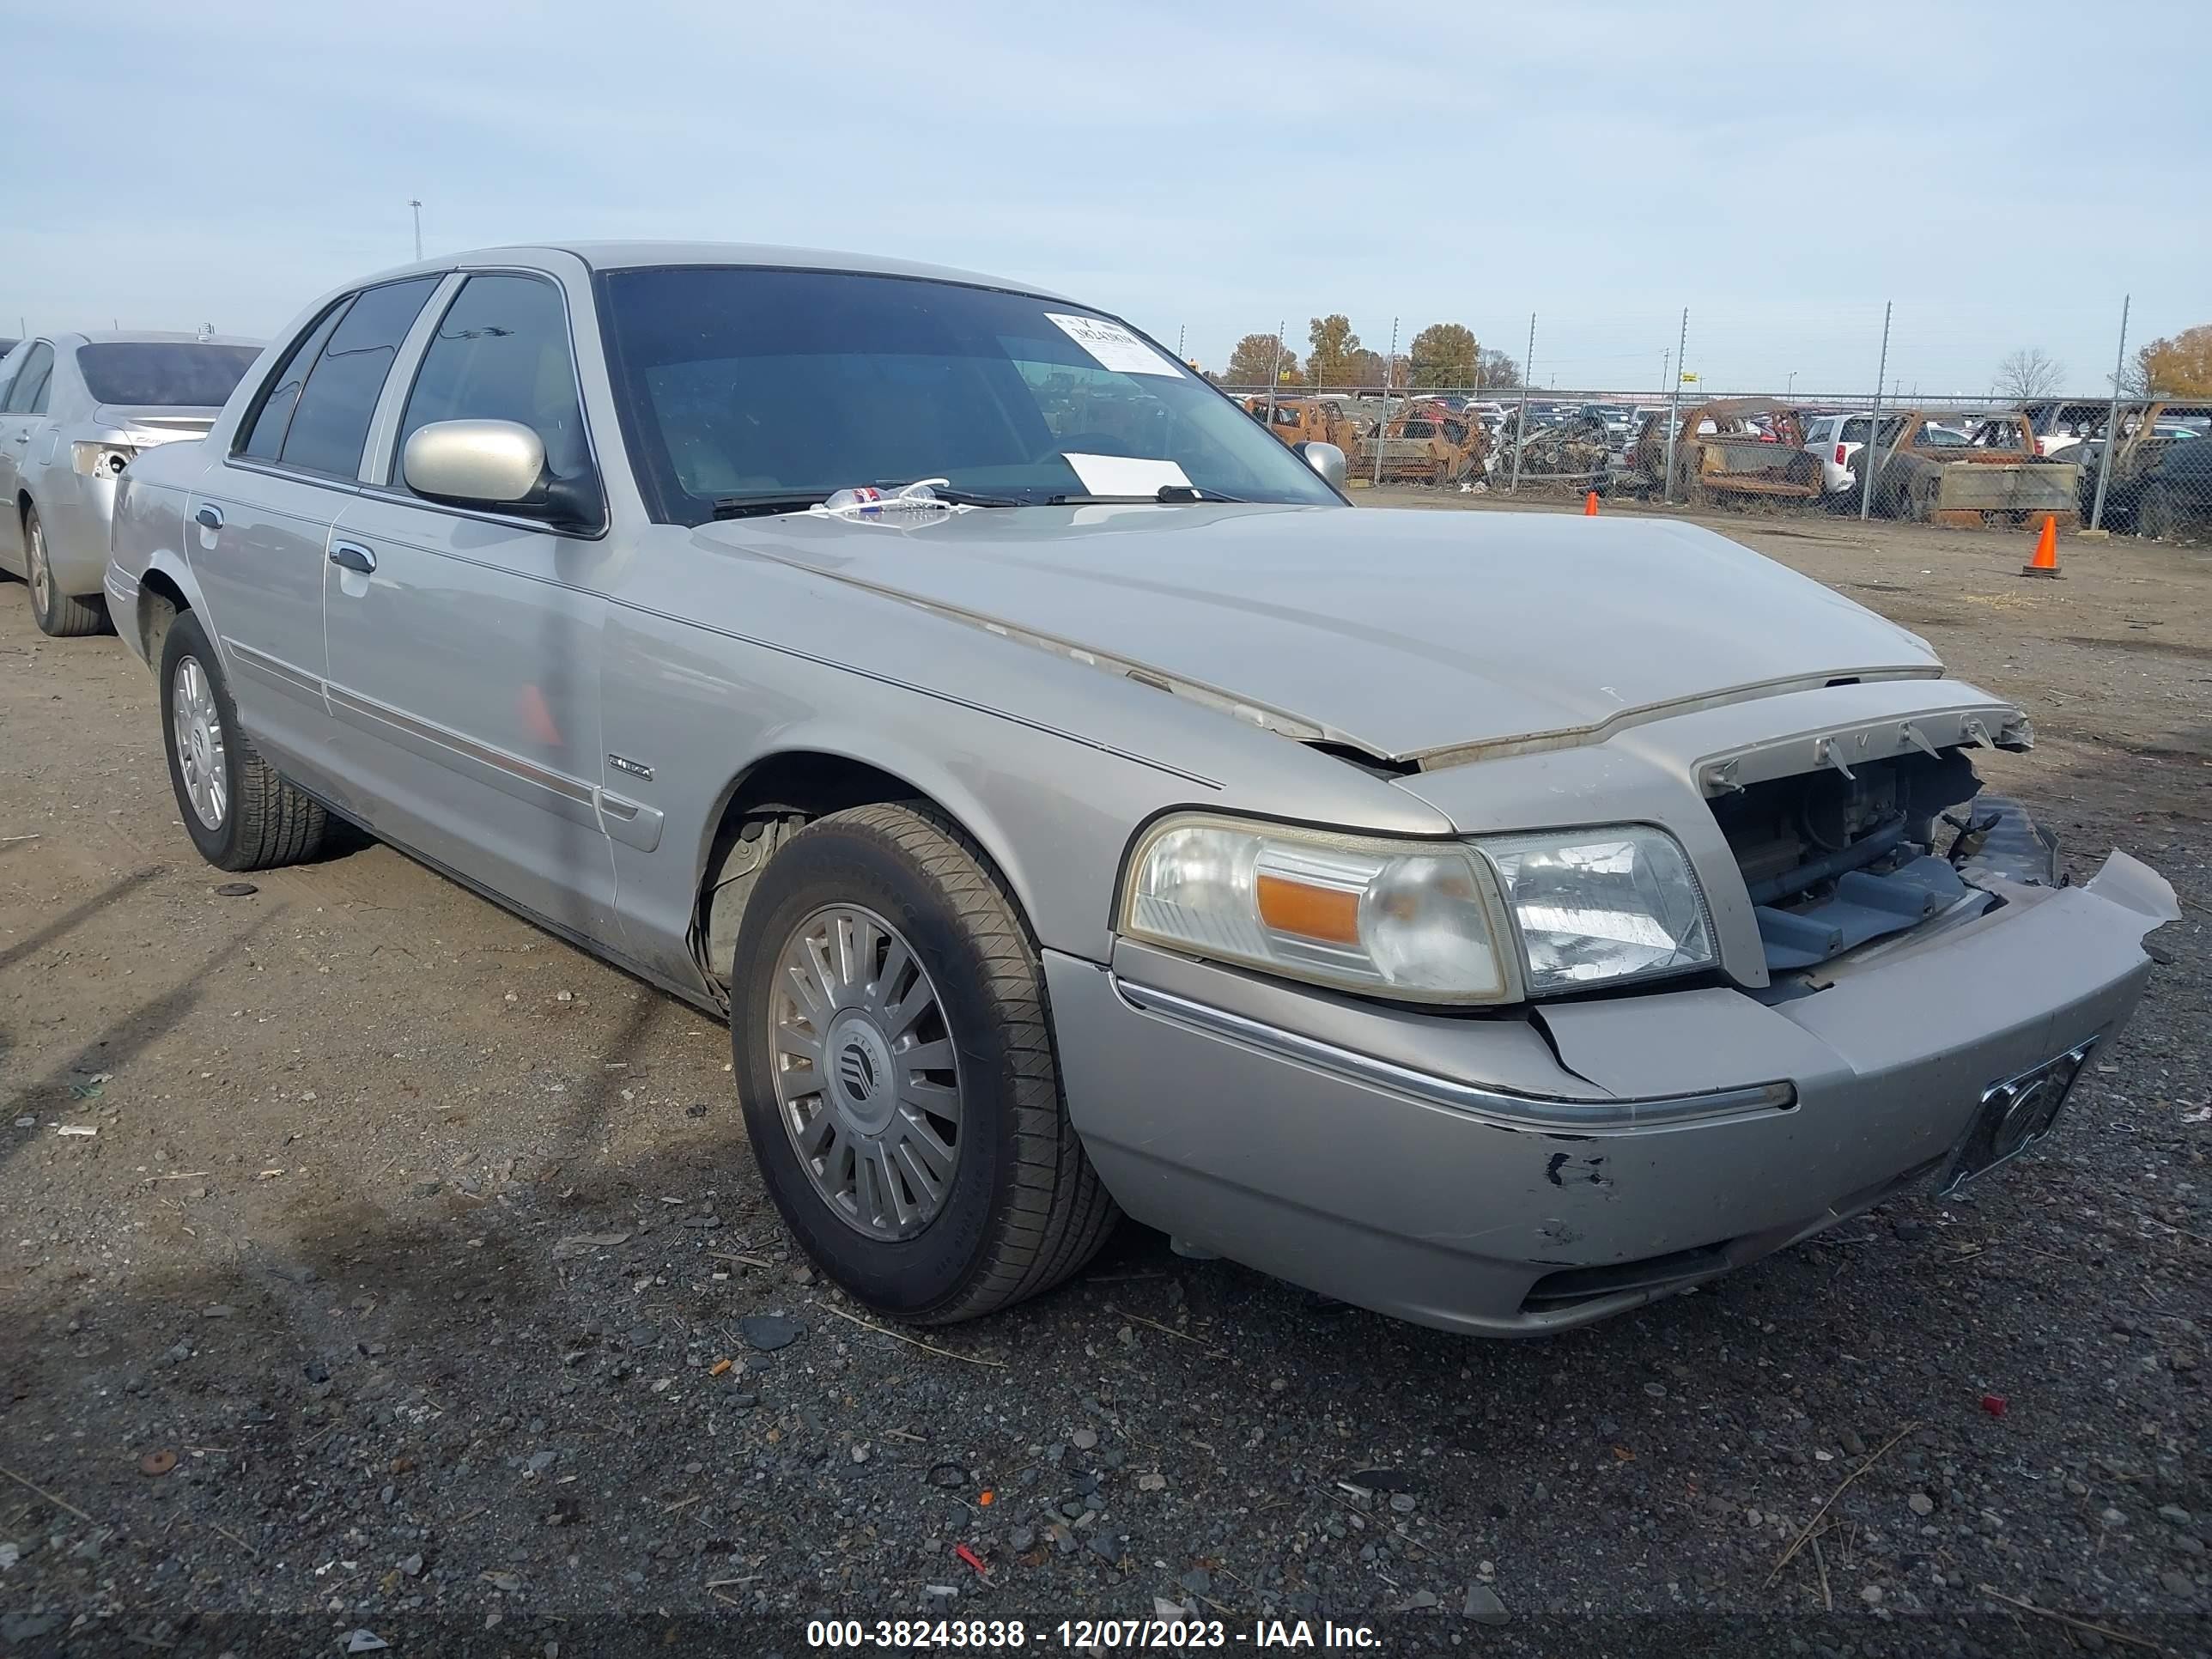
(1334, 347)
(1260, 358)
(2179, 366)
(1444, 353)
(2028, 372)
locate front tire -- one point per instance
(58, 614)
(237, 808)
(893, 1053)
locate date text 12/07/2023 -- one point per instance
(1087, 1635)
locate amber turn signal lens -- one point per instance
(1328, 914)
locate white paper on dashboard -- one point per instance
(1112, 346)
(1126, 475)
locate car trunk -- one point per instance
(153, 423)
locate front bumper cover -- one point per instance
(1474, 1174)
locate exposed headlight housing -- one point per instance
(102, 460)
(1420, 920)
(1599, 905)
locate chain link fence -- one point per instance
(1448, 414)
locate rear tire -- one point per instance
(57, 613)
(237, 808)
(902, 912)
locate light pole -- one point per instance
(417, 206)
(1790, 391)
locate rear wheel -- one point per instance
(240, 811)
(894, 1056)
(57, 613)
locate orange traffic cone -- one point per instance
(1590, 505)
(2045, 563)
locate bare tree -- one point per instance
(1499, 372)
(2028, 373)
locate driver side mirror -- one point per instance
(1326, 459)
(481, 463)
(494, 464)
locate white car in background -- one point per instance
(1837, 439)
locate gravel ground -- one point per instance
(416, 1283)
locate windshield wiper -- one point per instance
(760, 506)
(1166, 495)
(970, 498)
(755, 507)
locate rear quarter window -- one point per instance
(263, 437)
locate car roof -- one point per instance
(620, 255)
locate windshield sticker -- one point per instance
(1126, 475)
(1112, 346)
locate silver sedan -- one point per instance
(1077, 809)
(75, 409)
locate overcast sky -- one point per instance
(2004, 174)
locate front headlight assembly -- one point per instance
(1599, 905)
(1417, 920)
(1479, 922)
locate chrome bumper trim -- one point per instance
(1510, 1111)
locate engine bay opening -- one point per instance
(1834, 860)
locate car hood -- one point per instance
(1412, 635)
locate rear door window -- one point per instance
(329, 423)
(27, 396)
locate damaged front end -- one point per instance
(1836, 859)
(1849, 837)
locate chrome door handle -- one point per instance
(351, 555)
(210, 516)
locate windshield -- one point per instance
(175, 374)
(736, 383)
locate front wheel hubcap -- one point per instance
(198, 733)
(866, 1082)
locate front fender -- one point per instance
(959, 768)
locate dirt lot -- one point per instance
(392, 1292)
